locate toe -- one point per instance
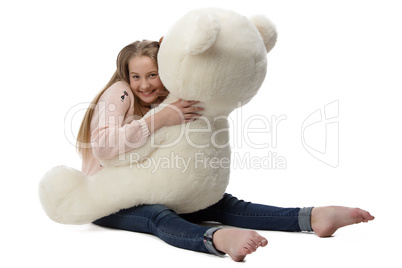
(360, 215)
(245, 251)
(264, 242)
(367, 216)
(252, 247)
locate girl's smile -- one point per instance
(148, 93)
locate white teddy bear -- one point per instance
(215, 56)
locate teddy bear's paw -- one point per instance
(60, 192)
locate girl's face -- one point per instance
(144, 79)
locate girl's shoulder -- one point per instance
(118, 91)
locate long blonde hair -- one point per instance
(138, 48)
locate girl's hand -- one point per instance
(180, 112)
(176, 113)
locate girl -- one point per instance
(114, 125)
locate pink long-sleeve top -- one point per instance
(113, 128)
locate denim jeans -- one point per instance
(183, 232)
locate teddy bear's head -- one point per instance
(217, 57)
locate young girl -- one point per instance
(116, 114)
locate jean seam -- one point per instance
(254, 215)
(169, 235)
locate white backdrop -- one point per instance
(327, 117)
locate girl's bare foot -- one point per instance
(238, 243)
(326, 220)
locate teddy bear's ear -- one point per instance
(267, 30)
(205, 32)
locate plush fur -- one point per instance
(215, 56)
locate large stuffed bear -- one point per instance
(215, 56)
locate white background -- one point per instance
(55, 55)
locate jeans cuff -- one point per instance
(208, 242)
(305, 219)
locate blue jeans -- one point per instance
(181, 230)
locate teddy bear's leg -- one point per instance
(62, 192)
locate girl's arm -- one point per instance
(111, 134)
(112, 137)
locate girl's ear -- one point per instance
(205, 32)
(267, 31)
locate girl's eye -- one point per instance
(136, 77)
(153, 75)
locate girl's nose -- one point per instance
(145, 84)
